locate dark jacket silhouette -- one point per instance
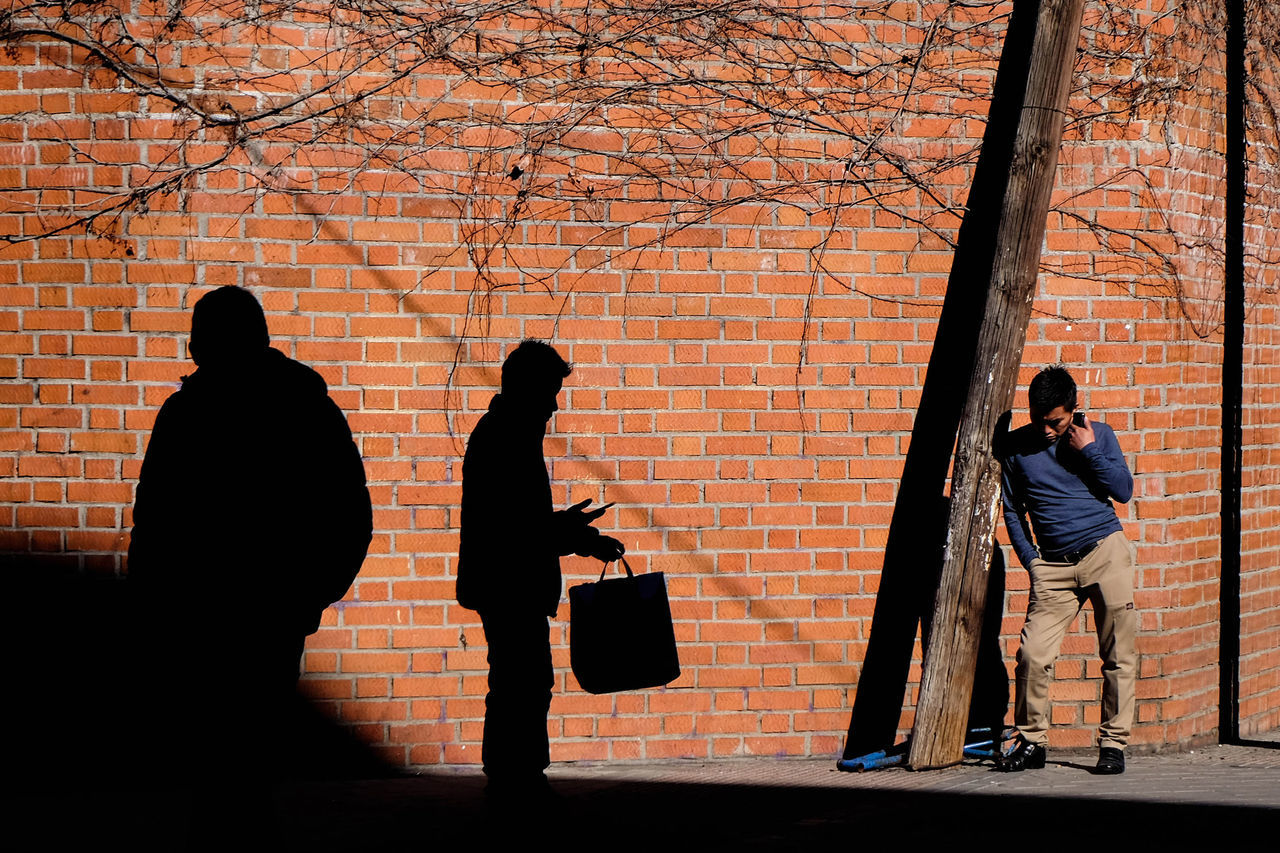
(251, 517)
(511, 536)
(252, 491)
(509, 560)
(251, 513)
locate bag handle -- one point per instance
(625, 565)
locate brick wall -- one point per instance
(744, 387)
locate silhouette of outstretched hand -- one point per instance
(579, 514)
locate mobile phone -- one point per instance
(1078, 419)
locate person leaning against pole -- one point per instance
(1062, 472)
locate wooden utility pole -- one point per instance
(941, 714)
(917, 532)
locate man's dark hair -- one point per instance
(1052, 387)
(532, 364)
(228, 325)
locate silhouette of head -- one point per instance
(1052, 399)
(227, 327)
(531, 379)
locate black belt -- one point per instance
(1071, 556)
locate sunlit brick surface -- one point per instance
(748, 355)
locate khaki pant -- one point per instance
(1058, 591)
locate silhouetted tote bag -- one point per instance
(620, 633)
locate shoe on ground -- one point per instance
(1024, 755)
(1110, 761)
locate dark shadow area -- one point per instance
(776, 817)
(251, 516)
(104, 744)
(91, 713)
(443, 810)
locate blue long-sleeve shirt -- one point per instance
(1067, 493)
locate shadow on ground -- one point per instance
(92, 710)
(95, 766)
(433, 811)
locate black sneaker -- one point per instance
(1110, 761)
(1024, 755)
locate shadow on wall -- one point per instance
(98, 704)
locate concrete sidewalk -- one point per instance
(1211, 795)
(1217, 795)
(1216, 775)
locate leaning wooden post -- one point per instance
(937, 739)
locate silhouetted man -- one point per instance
(509, 561)
(1063, 471)
(251, 517)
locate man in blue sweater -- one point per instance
(1063, 471)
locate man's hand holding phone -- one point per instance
(1080, 433)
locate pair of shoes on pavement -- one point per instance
(1031, 756)
(1024, 755)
